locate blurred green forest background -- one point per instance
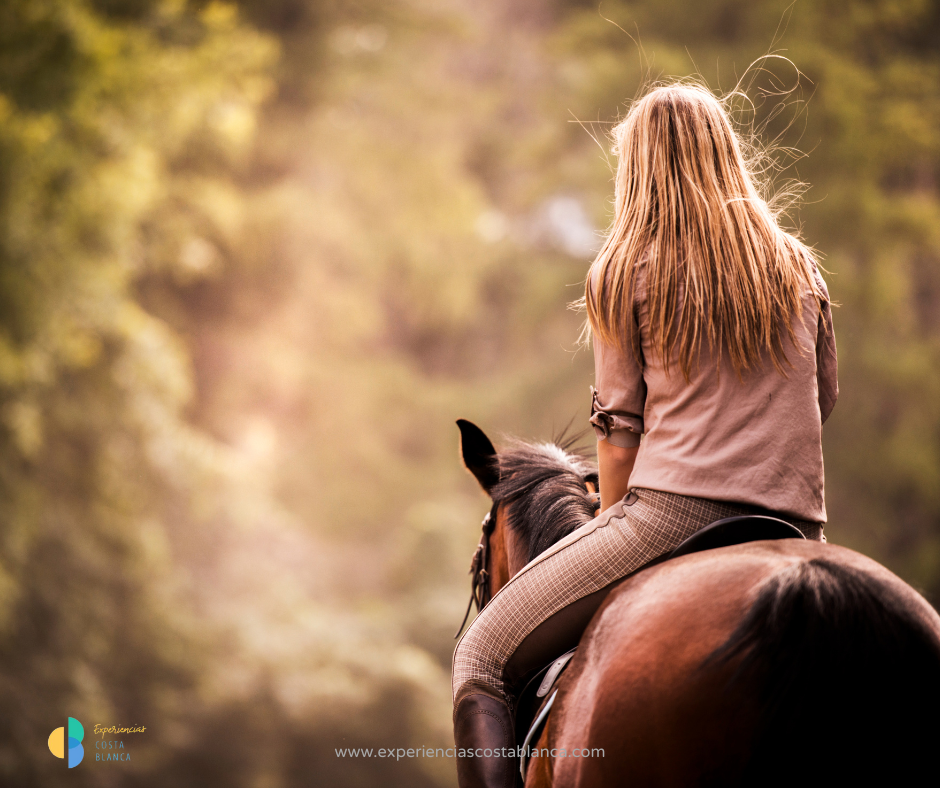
(257, 257)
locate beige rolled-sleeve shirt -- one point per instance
(754, 441)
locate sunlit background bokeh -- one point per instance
(257, 257)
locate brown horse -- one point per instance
(773, 663)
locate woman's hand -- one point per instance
(614, 466)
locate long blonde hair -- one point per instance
(687, 207)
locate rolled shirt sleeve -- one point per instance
(618, 397)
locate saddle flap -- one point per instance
(737, 530)
(553, 673)
(533, 735)
(541, 710)
(531, 701)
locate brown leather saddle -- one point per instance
(536, 699)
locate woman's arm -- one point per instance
(614, 465)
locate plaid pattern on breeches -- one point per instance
(607, 548)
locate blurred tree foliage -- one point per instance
(256, 258)
(105, 110)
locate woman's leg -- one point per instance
(483, 724)
(536, 609)
(579, 567)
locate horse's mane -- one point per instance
(545, 487)
(820, 639)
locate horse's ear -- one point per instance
(478, 454)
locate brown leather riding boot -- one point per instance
(483, 722)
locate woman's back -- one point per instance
(712, 327)
(752, 438)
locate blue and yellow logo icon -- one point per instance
(57, 742)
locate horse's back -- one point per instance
(764, 663)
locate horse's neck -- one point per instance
(508, 552)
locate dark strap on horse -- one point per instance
(480, 583)
(737, 530)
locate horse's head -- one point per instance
(541, 492)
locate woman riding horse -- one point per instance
(713, 340)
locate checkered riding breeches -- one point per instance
(643, 526)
